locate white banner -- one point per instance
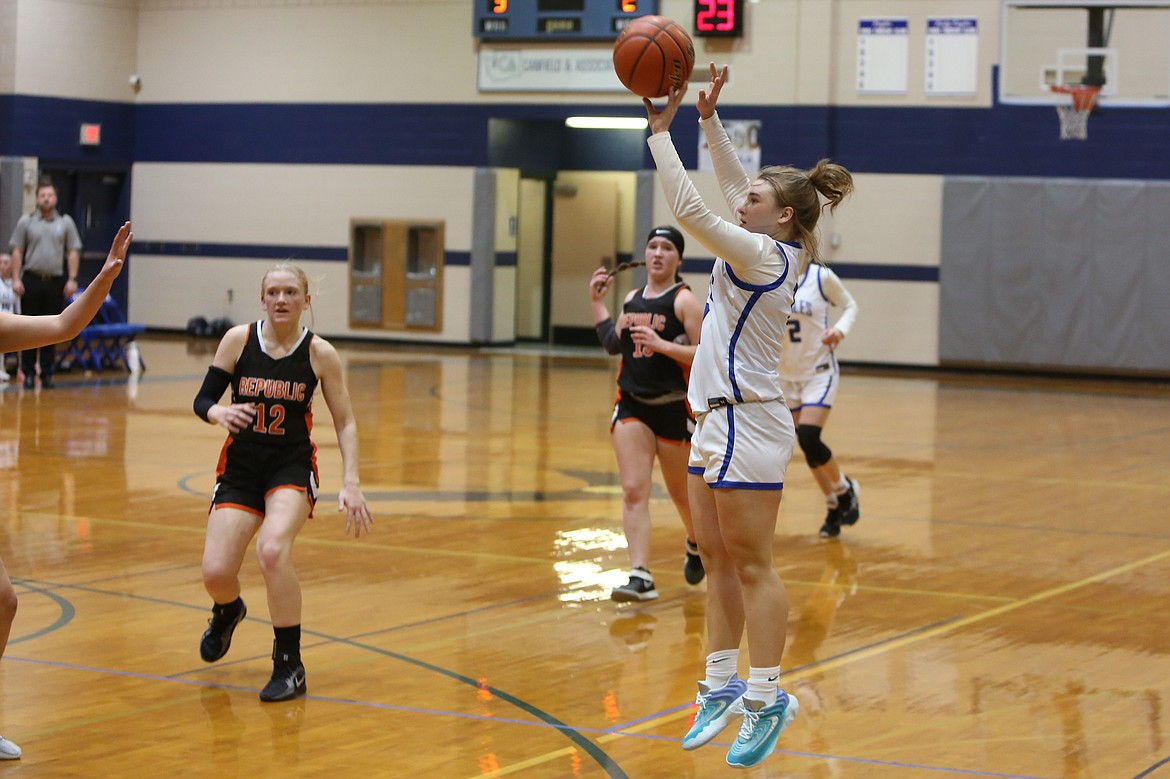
(547, 70)
(745, 137)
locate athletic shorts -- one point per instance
(745, 446)
(670, 421)
(821, 390)
(249, 472)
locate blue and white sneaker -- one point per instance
(716, 708)
(8, 750)
(761, 726)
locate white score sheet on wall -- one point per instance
(882, 53)
(952, 55)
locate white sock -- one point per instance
(721, 667)
(843, 485)
(831, 500)
(762, 684)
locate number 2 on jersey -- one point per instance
(794, 330)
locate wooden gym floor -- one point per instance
(1000, 610)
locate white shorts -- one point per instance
(821, 390)
(745, 446)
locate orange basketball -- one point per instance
(652, 55)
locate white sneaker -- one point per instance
(4, 376)
(8, 750)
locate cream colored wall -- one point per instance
(7, 46)
(889, 220)
(917, 12)
(84, 49)
(804, 52)
(308, 205)
(395, 51)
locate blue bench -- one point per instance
(103, 343)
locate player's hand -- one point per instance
(660, 119)
(710, 96)
(357, 513)
(118, 249)
(235, 417)
(646, 338)
(599, 284)
(831, 337)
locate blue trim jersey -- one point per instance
(805, 355)
(752, 282)
(282, 390)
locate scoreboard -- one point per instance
(555, 20)
(719, 18)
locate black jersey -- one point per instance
(652, 375)
(281, 389)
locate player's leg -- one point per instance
(721, 689)
(841, 492)
(229, 530)
(748, 520)
(634, 445)
(672, 460)
(287, 510)
(8, 750)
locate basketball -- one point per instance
(652, 55)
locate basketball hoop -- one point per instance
(1074, 116)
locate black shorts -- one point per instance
(671, 421)
(248, 472)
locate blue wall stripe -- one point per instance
(849, 270)
(253, 251)
(996, 141)
(50, 128)
(279, 252)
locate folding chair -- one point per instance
(104, 341)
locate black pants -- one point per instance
(42, 295)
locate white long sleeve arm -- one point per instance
(838, 296)
(754, 257)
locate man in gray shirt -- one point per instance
(46, 254)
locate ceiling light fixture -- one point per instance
(606, 123)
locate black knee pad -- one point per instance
(815, 451)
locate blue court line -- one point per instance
(66, 616)
(603, 760)
(544, 723)
(1154, 767)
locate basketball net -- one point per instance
(1074, 115)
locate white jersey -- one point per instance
(752, 281)
(9, 302)
(804, 354)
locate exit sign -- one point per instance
(91, 134)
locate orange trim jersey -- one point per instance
(643, 372)
(282, 390)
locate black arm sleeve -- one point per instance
(607, 334)
(214, 383)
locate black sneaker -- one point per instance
(217, 639)
(849, 504)
(693, 564)
(640, 587)
(832, 526)
(288, 679)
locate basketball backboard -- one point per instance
(1122, 46)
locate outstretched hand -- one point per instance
(118, 249)
(710, 96)
(660, 119)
